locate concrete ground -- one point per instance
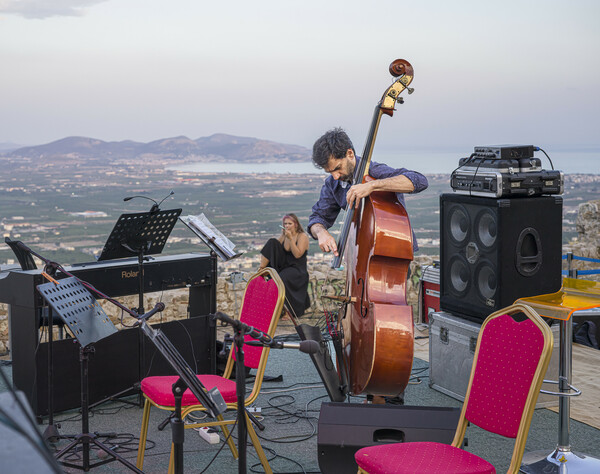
(290, 408)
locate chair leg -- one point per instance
(143, 435)
(230, 442)
(258, 447)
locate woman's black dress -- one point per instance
(293, 273)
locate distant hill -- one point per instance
(7, 146)
(218, 146)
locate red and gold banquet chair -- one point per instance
(261, 308)
(511, 359)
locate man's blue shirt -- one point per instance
(333, 194)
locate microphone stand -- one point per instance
(242, 329)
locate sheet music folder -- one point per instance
(211, 236)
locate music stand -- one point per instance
(88, 323)
(141, 234)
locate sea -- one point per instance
(424, 162)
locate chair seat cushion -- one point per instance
(159, 389)
(421, 457)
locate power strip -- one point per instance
(209, 436)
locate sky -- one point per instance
(485, 72)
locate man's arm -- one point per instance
(399, 180)
(396, 184)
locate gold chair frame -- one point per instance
(534, 388)
(221, 421)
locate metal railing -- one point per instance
(574, 273)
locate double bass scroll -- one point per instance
(403, 71)
(375, 323)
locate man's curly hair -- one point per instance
(334, 143)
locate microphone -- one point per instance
(129, 198)
(158, 307)
(308, 347)
(167, 196)
(156, 205)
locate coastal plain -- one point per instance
(66, 209)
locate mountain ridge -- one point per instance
(220, 146)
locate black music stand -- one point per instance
(88, 323)
(141, 234)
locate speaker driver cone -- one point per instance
(486, 280)
(458, 276)
(486, 228)
(458, 224)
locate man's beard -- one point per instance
(348, 177)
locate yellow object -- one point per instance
(575, 295)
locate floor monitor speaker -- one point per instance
(344, 428)
(494, 251)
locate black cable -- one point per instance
(287, 417)
(537, 148)
(191, 344)
(465, 163)
(275, 455)
(223, 444)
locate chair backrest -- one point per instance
(511, 359)
(261, 308)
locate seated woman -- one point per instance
(287, 255)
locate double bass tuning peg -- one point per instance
(410, 90)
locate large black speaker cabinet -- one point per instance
(344, 428)
(494, 251)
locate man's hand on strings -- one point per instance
(357, 192)
(327, 242)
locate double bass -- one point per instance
(375, 324)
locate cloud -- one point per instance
(40, 9)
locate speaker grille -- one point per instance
(494, 251)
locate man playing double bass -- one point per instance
(335, 153)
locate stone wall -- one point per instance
(323, 281)
(587, 243)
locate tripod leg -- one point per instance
(178, 427)
(115, 456)
(51, 433)
(85, 426)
